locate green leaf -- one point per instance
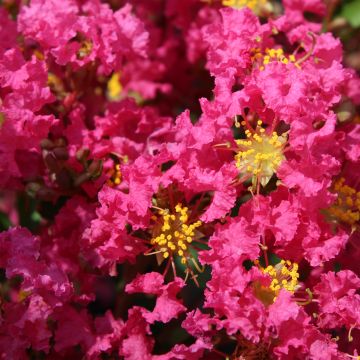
(351, 12)
(5, 222)
(28, 215)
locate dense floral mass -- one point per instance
(179, 179)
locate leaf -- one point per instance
(351, 12)
(5, 222)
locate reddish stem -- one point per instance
(264, 248)
(171, 198)
(166, 268)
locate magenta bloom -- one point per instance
(179, 180)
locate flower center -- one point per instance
(284, 275)
(254, 5)
(260, 155)
(261, 59)
(172, 233)
(86, 47)
(346, 208)
(115, 176)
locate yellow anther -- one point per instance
(115, 175)
(261, 155)
(262, 59)
(183, 218)
(255, 5)
(271, 52)
(283, 275)
(346, 208)
(114, 87)
(174, 232)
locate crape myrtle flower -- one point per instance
(78, 34)
(179, 180)
(35, 289)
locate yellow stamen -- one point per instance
(346, 208)
(261, 59)
(85, 49)
(260, 155)
(115, 176)
(254, 5)
(284, 275)
(173, 232)
(114, 87)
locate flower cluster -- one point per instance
(178, 180)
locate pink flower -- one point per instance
(73, 38)
(22, 128)
(192, 352)
(19, 253)
(137, 344)
(167, 305)
(231, 40)
(8, 31)
(74, 328)
(165, 145)
(339, 305)
(295, 9)
(109, 333)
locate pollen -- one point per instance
(346, 208)
(114, 87)
(173, 233)
(254, 5)
(56, 85)
(283, 275)
(86, 47)
(115, 176)
(260, 155)
(261, 59)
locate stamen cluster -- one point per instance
(347, 205)
(284, 275)
(260, 155)
(172, 234)
(115, 176)
(251, 4)
(145, 207)
(271, 55)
